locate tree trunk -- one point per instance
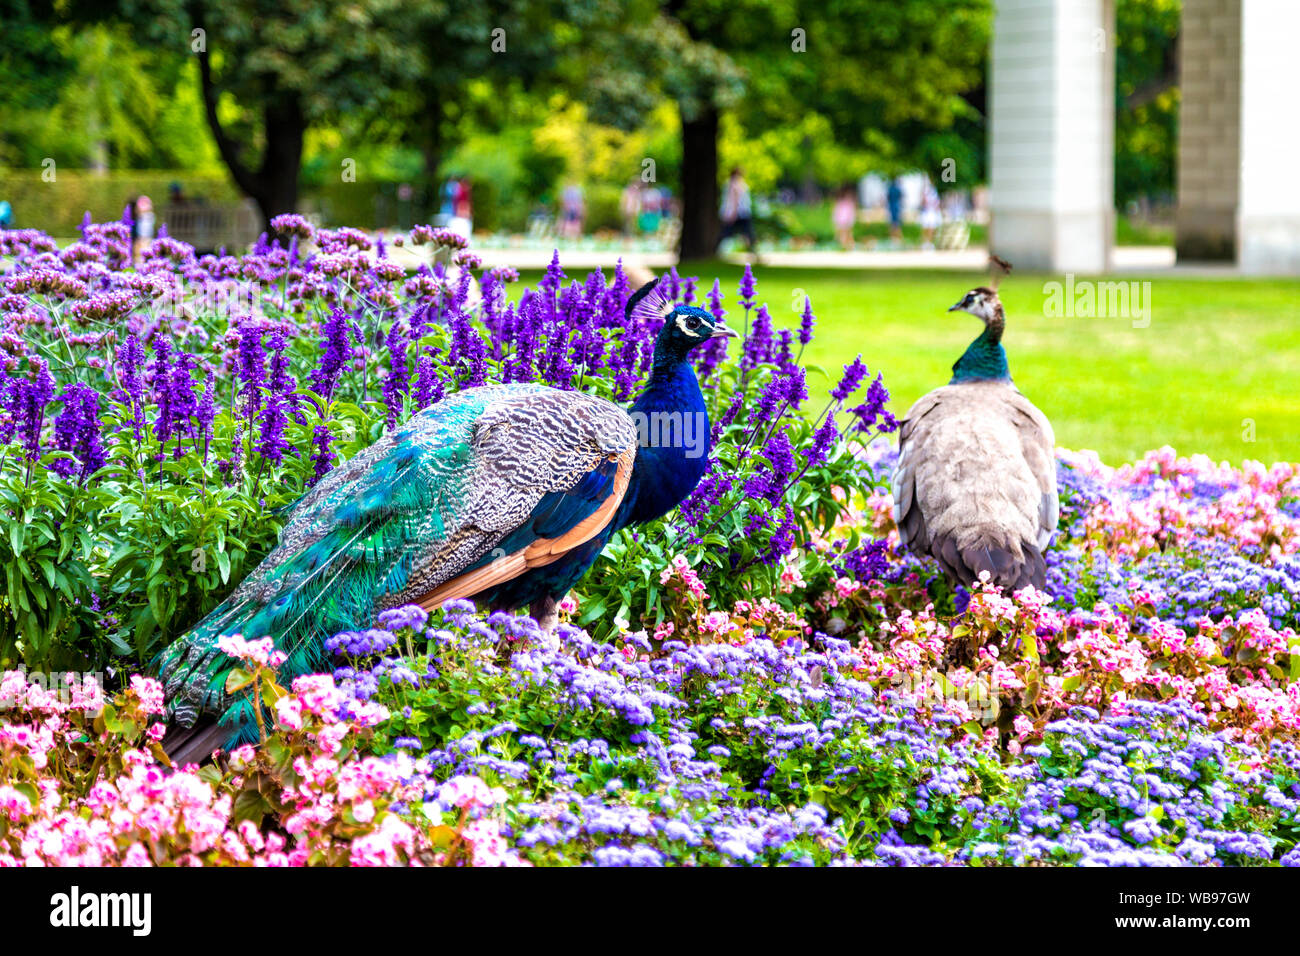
(274, 187)
(277, 187)
(701, 227)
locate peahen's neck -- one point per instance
(984, 359)
(673, 423)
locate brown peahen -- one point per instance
(975, 485)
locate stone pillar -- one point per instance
(1209, 118)
(1268, 210)
(1052, 134)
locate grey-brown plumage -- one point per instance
(975, 485)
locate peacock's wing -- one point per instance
(478, 488)
(975, 486)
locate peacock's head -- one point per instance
(687, 326)
(982, 302)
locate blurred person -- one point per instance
(629, 206)
(843, 215)
(931, 218)
(573, 210)
(737, 209)
(462, 209)
(143, 226)
(652, 207)
(894, 202)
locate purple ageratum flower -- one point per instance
(76, 430)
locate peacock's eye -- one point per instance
(693, 322)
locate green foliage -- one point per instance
(57, 208)
(1147, 98)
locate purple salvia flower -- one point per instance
(672, 285)
(161, 370)
(181, 405)
(747, 286)
(77, 430)
(715, 301)
(396, 382)
(688, 291)
(252, 367)
(31, 396)
(853, 376)
(823, 441)
(130, 360)
(271, 443)
(336, 351)
(429, 387)
(806, 322)
(206, 414)
(322, 456)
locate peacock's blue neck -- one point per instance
(984, 360)
(674, 453)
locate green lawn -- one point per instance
(1216, 354)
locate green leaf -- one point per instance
(237, 680)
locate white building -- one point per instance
(1052, 133)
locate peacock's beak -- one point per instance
(955, 308)
(721, 331)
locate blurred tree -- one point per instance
(883, 74)
(1146, 98)
(35, 70)
(270, 69)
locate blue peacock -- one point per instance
(505, 494)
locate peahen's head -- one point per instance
(982, 302)
(985, 359)
(685, 327)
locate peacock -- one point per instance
(975, 484)
(505, 494)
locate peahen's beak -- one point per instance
(721, 331)
(955, 308)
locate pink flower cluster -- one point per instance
(96, 790)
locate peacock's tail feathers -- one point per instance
(400, 518)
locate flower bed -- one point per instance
(761, 677)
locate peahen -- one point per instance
(503, 493)
(975, 484)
